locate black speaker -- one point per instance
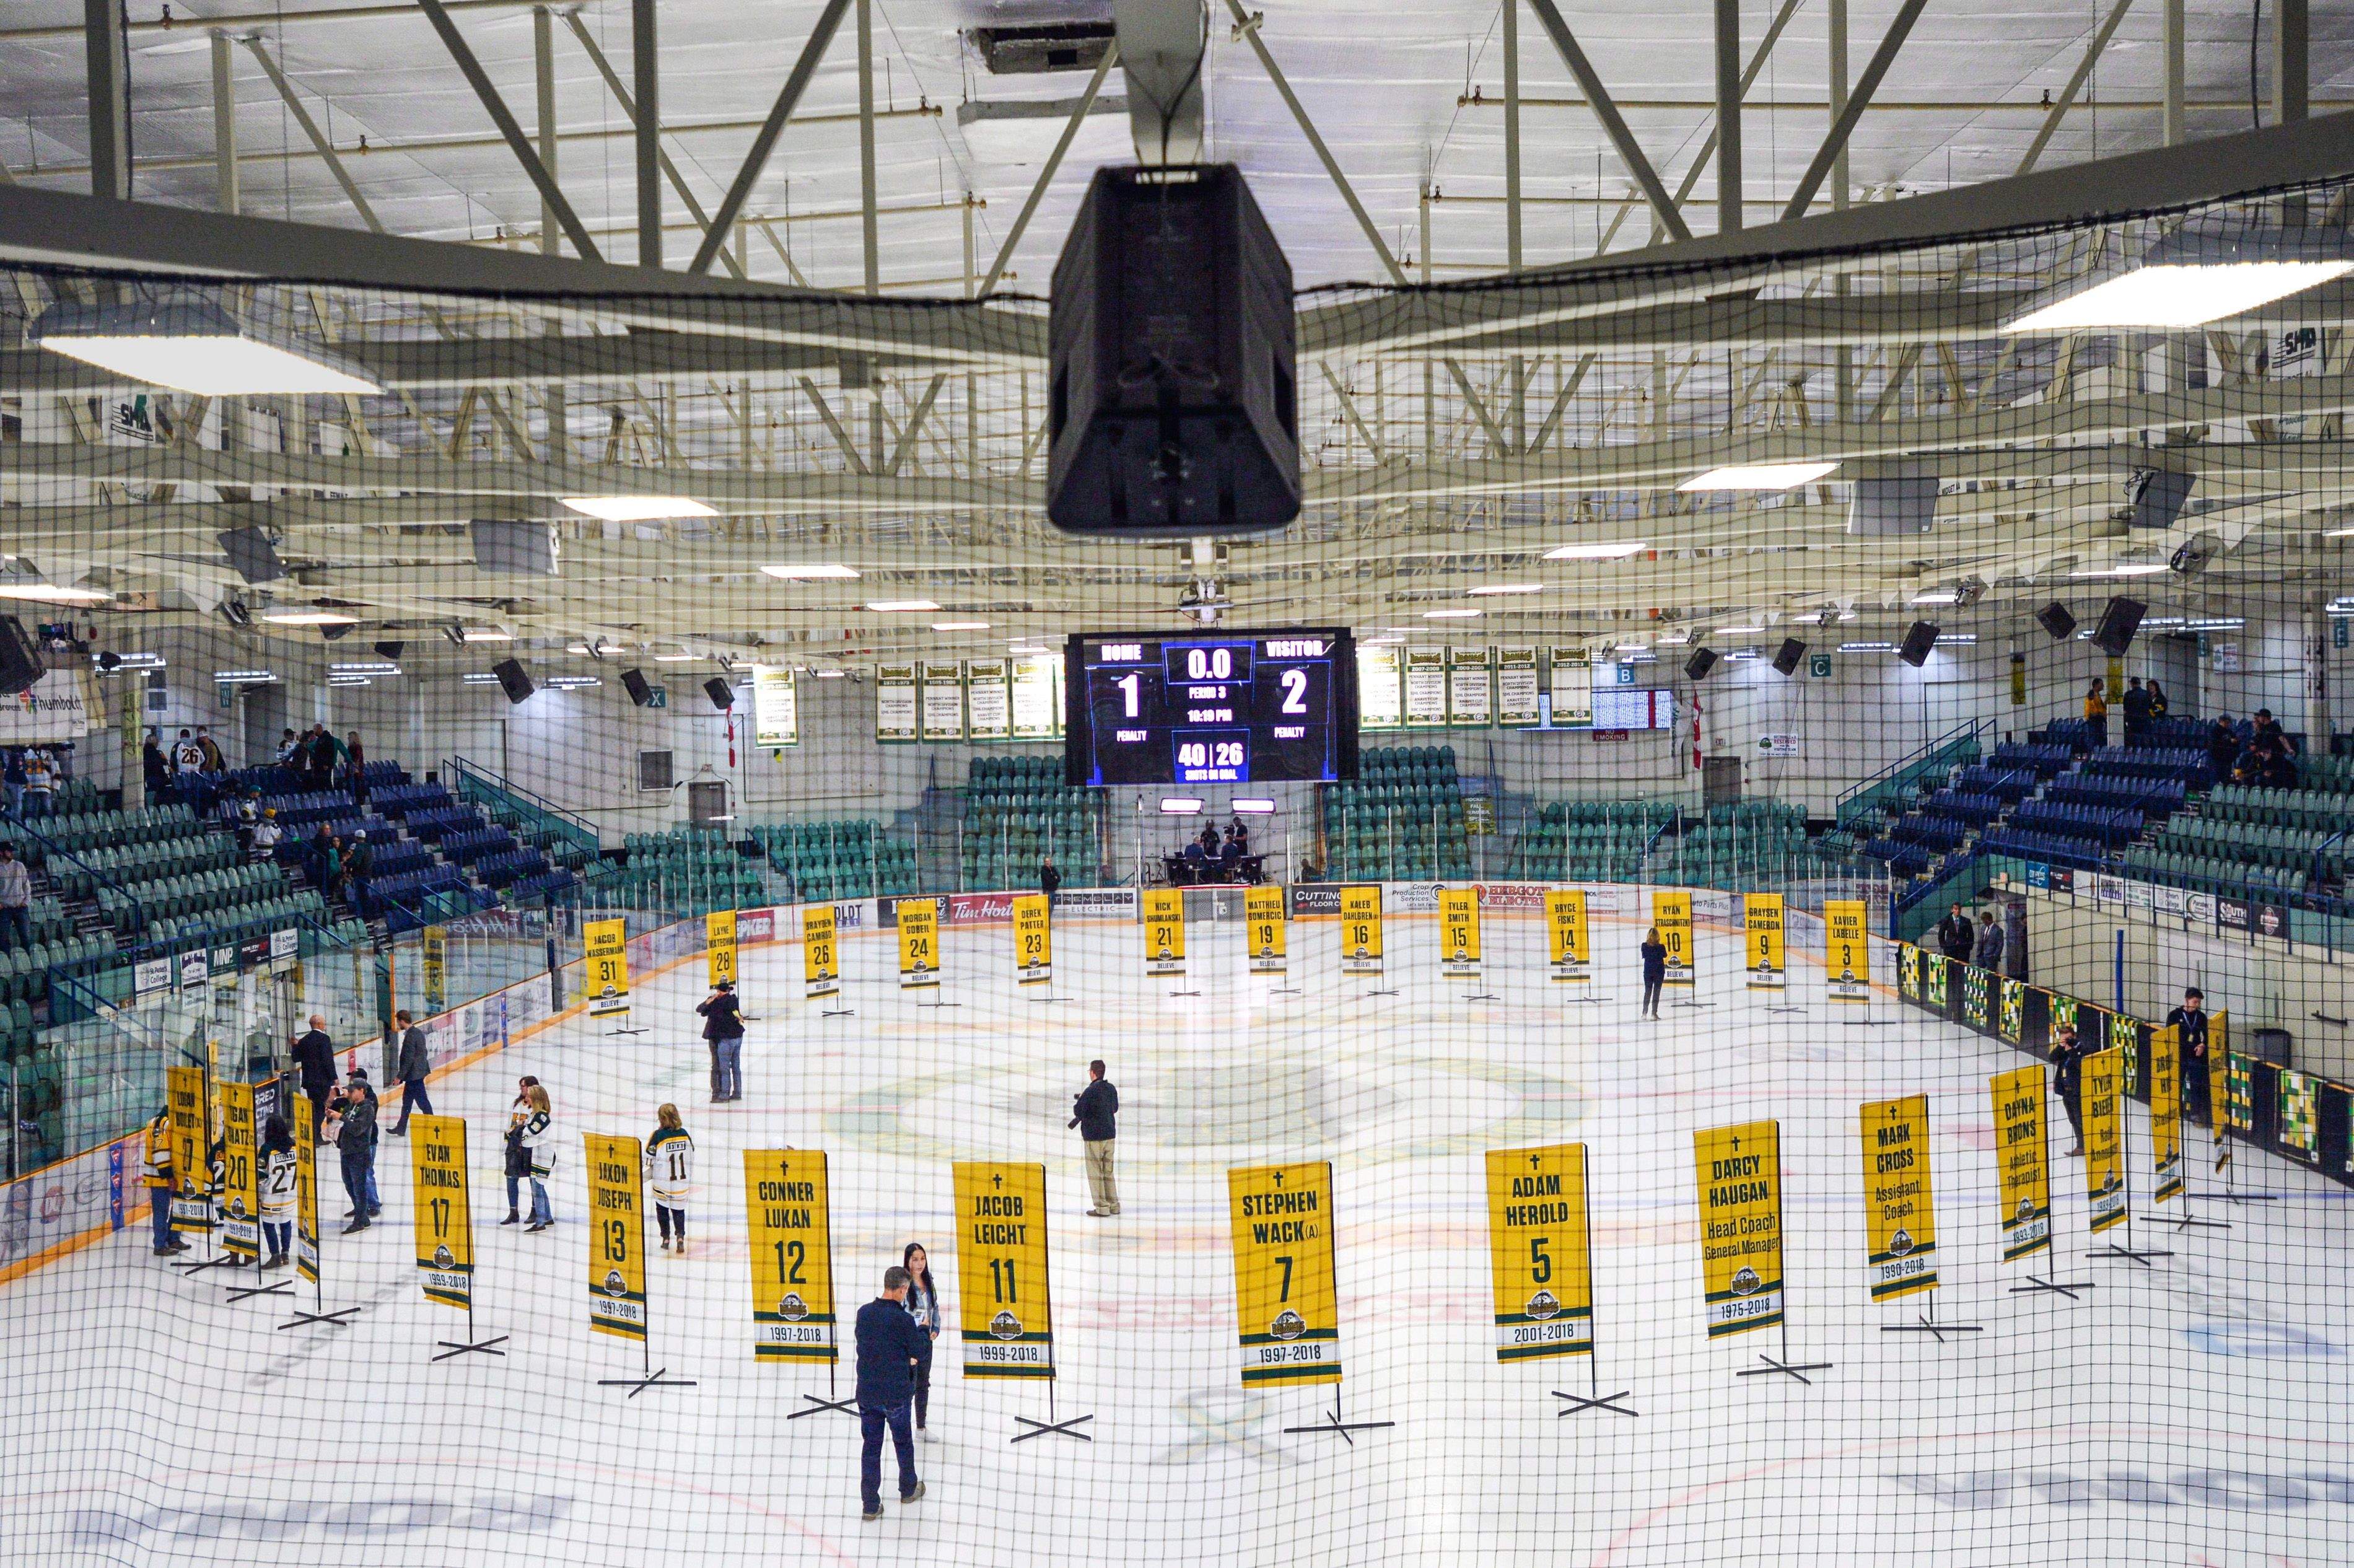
(335, 632)
(1173, 400)
(1786, 661)
(20, 657)
(722, 694)
(389, 650)
(1918, 640)
(2119, 619)
(512, 679)
(1702, 661)
(634, 682)
(2055, 620)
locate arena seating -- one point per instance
(1400, 820)
(1018, 811)
(1736, 845)
(1587, 841)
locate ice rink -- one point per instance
(2192, 1412)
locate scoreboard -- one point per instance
(1235, 707)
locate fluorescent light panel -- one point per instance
(488, 634)
(53, 593)
(1248, 807)
(365, 667)
(1759, 476)
(1451, 614)
(233, 677)
(211, 366)
(959, 626)
(309, 618)
(899, 605)
(481, 679)
(639, 508)
(1867, 647)
(810, 573)
(1618, 551)
(1179, 806)
(2130, 570)
(571, 683)
(1506, 588)
(2178, 295)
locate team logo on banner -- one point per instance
(2166, 1111)
(1847, 950)
(1762, 955)
(789, 1206)
(192, 1209)
(2010, 1012)
(1740, 1170)
(1568, 945)
(1672, 913)
(617, 1235)
(1266, 932)
(1459, 933)
(1900, 1220)
(1936, 968)
(1280, 1219)
(606, 965)
(719, 935)
(1008, 1321)
(240, 1195)
(1537, 1252)
(1033, 939)
(1908, 972)
(1165, 931)
(306, 1192)
(2022, 1158)
(1361, 930)
(821, 969)
(919, 944)
(443, 1219)
(2101, 1090)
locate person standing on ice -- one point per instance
(1655, 971)
(670, 1167)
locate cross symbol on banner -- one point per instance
(1279, 1177)
(997, 1179)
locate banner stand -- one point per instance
(654, 1377)
(1066, 1426)
(1929, 1324)
(480, 1347)
(1786, 1365)
(241, 1292)
(1333, 1421)
(333, 1320)
(831, 1402)
(1594, 1399)
(308, 1254)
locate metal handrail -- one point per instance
(50, 848)
(579, 829)
(1922, 758)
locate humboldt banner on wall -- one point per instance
(775, 708)
(1740, 1173)
(1762, 955)
(988, 713)
(1538, 1251)
(1470, 689)
(788, 1208)
(1516, 686)
(1286, 1293)
(1007, 1319)
(894, 703)
(1426, 688)
(1569, 950)
(1570, 679)
(2022, 1161)
(1899, 1215)
(1380, 695)
(942, 696)
(1847, 950)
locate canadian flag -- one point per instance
(1696, 768)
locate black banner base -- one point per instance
(2037, 1286)
(1333, 1423)
(246, 1292)
(1483, 996)
(482, 1347)
(1578, 1402)
(1927, 1326)
(2113, 1253)
(638, 1385)
(1067, 1428)
(1374, 993)
(839, 1013)
(218, 1260)
(333, 1320)
(815, 1404)
(1788, 1369)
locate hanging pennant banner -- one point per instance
(2166, 1111)
(1672, 913)
(919, 944)
(719, 945)
(1263, 919)
(240, 1192)
(192, 1208)
(617, 1235)
(2023, 1159)
(1165, 931)
(1761, 924)
(788, 1207)
(1033, 939)
(2101, 1092)
(821, 973)
(1740, 1170)
(1280, 1218)
(1361, 930)
(1899, 1219)
(1569, 947)
(306, 1191)
(1847, 949)
(1459, 933)
(442, 1217)
(1538, 1251)
(606, 966)
(894, 703)
(1008, 1317)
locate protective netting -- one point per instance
(658, 610)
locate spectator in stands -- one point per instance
(2190, 1025)
(2265, 727)
(15, 899)
(2222, 747)
(266, 835)
(289, 751)
(245, 815)
(2157, 699)
(2096, 715)
(215, 763)
(356, 766)
(155, 767)
(40, 783)
(1197, 860)
(2067, 1074)
(358, 864)
(14, 776)
(315, 1065)
(2136, 706)
(411, 1064)
(326, 754)
(1956, 939)
(188, 770)
(2278, 771)
(1990, 948)
(1050, 881)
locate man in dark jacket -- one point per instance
(2189, 1023)
(1956, 939)
(358, 865)
(1990, 949)
(315, 1065)
(722, 1031)
(410, 1064)
(356, 1143)
(1050, 881)
(2136, 710)
(2067, 1074)
(2222, 747)
(1093, 1109)
(889, 1344)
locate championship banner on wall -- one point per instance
(1459, 933)
(2166, 1111)
(192, 1209)
(820, 971)
(1762, 954)
(1262, 920)
(1847, 950)
(1033, 939)
(240, 1193)
(1538, 1251)
(1740, 1170)
(1899, 1218)
(2100, 1090)
(2023, 1159)
(1672, 913)
(617, 1235)
(789, 1207)
(919, 944)
(435, 947)
(306, 1191)
(1361, 930)
(1165, 931)
(1568, 946)
(443, 1220)
(719, 945)
(606, 971)
(1286, 1289)
(1001, 1258)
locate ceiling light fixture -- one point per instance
(53, 593)
(2178, 295)
(810, 573)
(831, 674)
(366, 667)
(309, 618)
(639, 508)
(959, 626)
(2128, 569)
(1452, 614)
(674, 657)
(1938, 595)
(1759, 476)
(574, 683)
(1251, 806)
(348, 681)
(1867, 647)
(1506, 588)
(183, 340)
(485, 634)
(244, 677)
(481, 679)
(1179, 805)
(1740, 631)
(899, 605)
(1618, 551)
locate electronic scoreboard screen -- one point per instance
(1212, 708)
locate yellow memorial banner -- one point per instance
(444, 1217)
(1459, 933)
(1740, 1170)
(435, 947)
(617, 1235)
(2022, 1157)
(1361, 930)
(1266, 934)
(1569, 946)
(1539, 1251)
(1762, 954)
(1847, 949)
(605, 968)
(1165, 931)
(2219, 1083)
(2100, 1094)
(821, 968)
(1033, 939)
(1007, 1322)
(719, 945)
(790, 1208)
(2166, 1111)
(1672, 913)
(1899, 1219)
(1285, 1284)
(192, 1209)
(306, 1191)
(240, 1192)
(919, 943)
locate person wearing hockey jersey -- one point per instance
(540, 1136)
(276, 1157)
(670, 1167)
(159, 1185)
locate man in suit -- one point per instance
(315, 1065)
(889, 1344)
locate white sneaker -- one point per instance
(926, 1433)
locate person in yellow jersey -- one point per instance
(158, 1178)
(670, 1167)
